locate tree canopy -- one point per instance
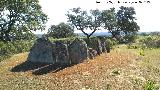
(126, 20)
(109, 21)
(19, 17)
(117, 23)
(61, 30)
(82, 20)
(126, 23)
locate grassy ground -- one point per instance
(122, 69)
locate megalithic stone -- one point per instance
(62, 55)
(42, 51)
(78, 51)
(95, 44)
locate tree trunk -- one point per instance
(88, 37)
(7, 38)
(88, 41)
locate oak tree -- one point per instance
(19, 17)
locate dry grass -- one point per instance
(122, 69)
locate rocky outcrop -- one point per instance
(103, 44)
(42, 51)
(95, 44)
(108, 48)
(78, 51)
(62, 55)
(92, 53)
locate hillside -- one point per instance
(122, 69)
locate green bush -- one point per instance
(149, 85)
(14, 47)
(150, 41)
(110, 42)
(130, 38)
(63, 40)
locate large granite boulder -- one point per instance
(42, 51)
(62, 55)
(103, 44)
(92, 53)
(95, 44)
(108, 45)
(78, 51)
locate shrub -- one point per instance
(130, 38)
(150, 85)
(61, 30)
(9, 48)
(144, 42)
(111, 42)
(63, 40)
(150, 41)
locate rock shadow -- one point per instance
(49, 68)
(38, 68)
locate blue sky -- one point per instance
(147, 14)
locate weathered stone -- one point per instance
(103, 44)
(95, 44)
(42, 51)
(62, 55)
(92, 53)
(108, 47)
(78, 51)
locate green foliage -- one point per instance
(126, 23)
(119, 24)
(25, 36)
(63, 40)
(126, 20)
(141, 53)
(109, 23)
(110, 42)
(130, 38)
(144, 42)
(150, 41)
(19, 16)
(9, 48)
(61, 30)
(82, 20)
(77, 18)
(150, 85)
